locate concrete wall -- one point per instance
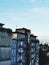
(5, 53)
(5, 41)
(5, 48)
(5, 62)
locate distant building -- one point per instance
(44, 54)
(45, 48)
(5, 45)
(34, 50)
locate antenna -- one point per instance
(16, 26)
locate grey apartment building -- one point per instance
(19, 47)
(5, 45)
(26, 49)
(22, 40)
(34, 50)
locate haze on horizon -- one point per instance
(31, 14)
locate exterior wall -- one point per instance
(5, 53)
(37, 54)
(21, 46)
(5, 62)
(13, 52)
(22, 54)
(25, 49)
(21, 58)
(5, 48)
(34, 51)
(5, 39)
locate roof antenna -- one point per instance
(16, 26)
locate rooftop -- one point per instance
(22, 30)
(1, 24)
(2, 29)
(33, 35)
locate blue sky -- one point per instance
(32, 14)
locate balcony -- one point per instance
(32, 51)
(20, 63)
(21, 59)
(32, 56)
(21, 45)
(20, 50)
(32, 44)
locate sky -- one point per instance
(31, 14)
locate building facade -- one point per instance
(19, 47)
(5, 45)
(22, 46)
(26, 47)
(34, 50)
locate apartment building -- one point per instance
(19, 47)
(21, 36)
(26, 48)
(34, 52)
(5, 45)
